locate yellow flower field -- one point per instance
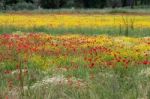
(72, 20)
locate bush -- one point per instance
(24, 6)
(1, 6)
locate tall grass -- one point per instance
(117, 83)
(114, 31)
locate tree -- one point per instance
(5, 3)
(47, 4)
(124, 3)
(53, 3)
(29, 1)
(114, 3)
(132, 3)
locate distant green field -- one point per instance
(85, 31)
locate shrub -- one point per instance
(1, 6)
(24, 6)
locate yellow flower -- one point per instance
(66, 21)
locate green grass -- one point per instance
(117, 83)
(114, 31)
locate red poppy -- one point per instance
(146, 62)
(92, 65)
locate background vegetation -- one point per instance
(55, 4)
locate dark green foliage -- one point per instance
(53, 3)
(47, 4)
(24, 6)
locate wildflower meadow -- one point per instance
(74, 56)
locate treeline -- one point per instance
(55, 4)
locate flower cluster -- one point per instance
(44, 51)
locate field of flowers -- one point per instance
(74, 66)
(73, 20)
